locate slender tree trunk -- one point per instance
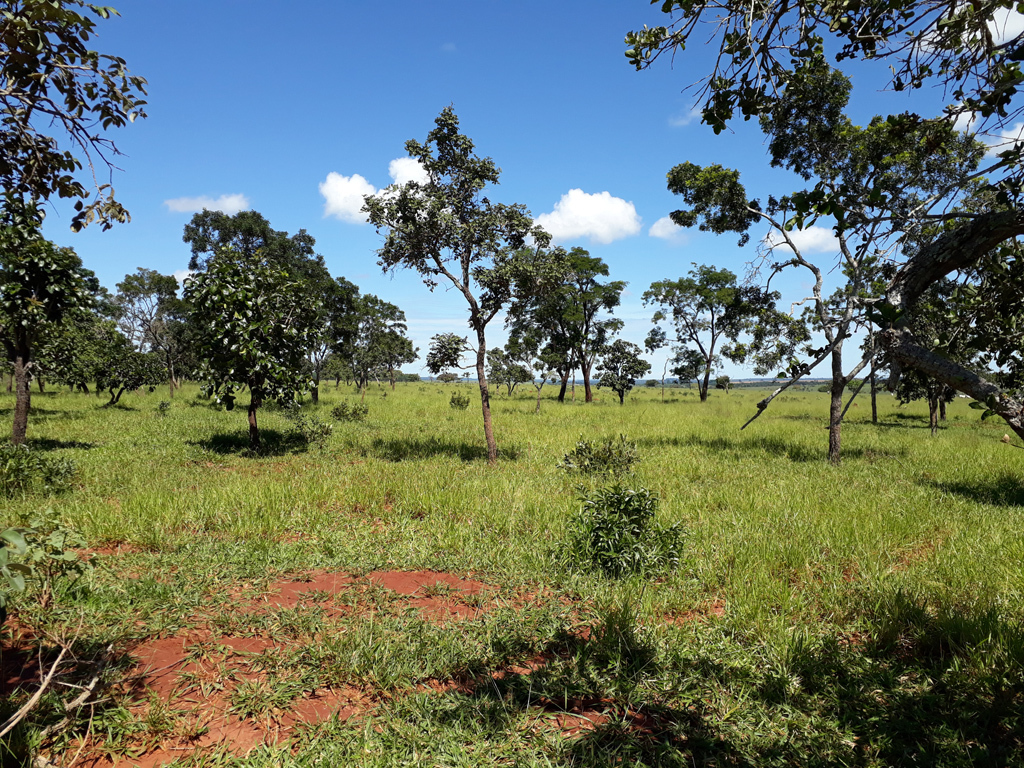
(574, 389)
(314, 393)
(22, 398)
(874, 395)
(565, 386)
(702, 387)
(933, 415)
(538, 400)
(835, 412)
(622, 397)
(41, 384)
(254, 430)
(942, 409)
(485, 399)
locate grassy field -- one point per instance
(867, 614)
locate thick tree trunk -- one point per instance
(622, 397)
(588, 393)
(22, 399)
(835, 411)
(485, 399)
(933, 415)
(314, 393)
(565, 385)
(942, 409)
(903, 348)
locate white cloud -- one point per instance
(685, 118)
(666, 229)
(344, 196)
(601, 217)
(449, 48)
(181, 275)
(809, 240)
(1006, 24)
(403, 169)
(229, 204)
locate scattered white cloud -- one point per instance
(344, 195)
(182, 275)
(449, 48)
(1006, 24)
(809, 240)
(684, 118)
(600, 217)
(403, 169)
(997, 141)
(229, 204)
(666, 229)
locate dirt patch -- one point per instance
(712, 610)
(318, 587)
(412, 582)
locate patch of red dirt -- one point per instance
(715, 609)
(288, 594)
(411, 582)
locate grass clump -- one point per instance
(350, 412)
(24, 471)
(615, 533)
(459, 401)
(601, 457)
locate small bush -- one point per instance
(164, 407)
(347, 412)
(459, 401)
(614, 532)
(23, 471)
(314, 430)
(607, 457)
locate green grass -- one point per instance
(867, 614)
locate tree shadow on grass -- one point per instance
(272, 443)
(412, 449)
(49, 444)
(770, 444)
(1005, 490)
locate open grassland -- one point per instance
(867, 614)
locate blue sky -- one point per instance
(279, 107)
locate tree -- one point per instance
(123, 368)
(570, 312)
(723, 382)
(335, 304)
(151, 316)
(620, 367)
(49, 77)
(250, 332)
(504, 368)
(378, 342)
(961, 49)
(446, 229)
(707, 308)
(247, 233)
(39, 285)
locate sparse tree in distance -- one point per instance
(151, 316)
(620, 367)
(446, 229)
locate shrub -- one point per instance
(459, 401)
(607, 457)
(313, 429)
(23, 471)
(164, 407)
(347, 412)
(614, 532)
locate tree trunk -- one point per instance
(702, 386)
(565, 386)
(41, 384)
(538, 400)
(835, 411)
(254, 430)
(622, 397)
(485, 400)
(10, 383)
(588, 393)
(933, 415)
(314, 393)
(22, 398)
(874, 395)
(942, 409)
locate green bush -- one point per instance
(614, 532)
(605, 457)
(459, 401)
(314, 430)
(24, 471)
(347, 412)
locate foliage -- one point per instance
(123, 368)
(504, 368)
(446, 228)
(459, 401)
(620, 367)
(51, 78)
(48, 555)
(350, 411)
(163, 407)
(448, 378)
(615, 533)
(314, 430)
(153, 318)
(24, 471)
(446, 351)
(723, 382)
(377, 342)
(250, 332)
(601, 457)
